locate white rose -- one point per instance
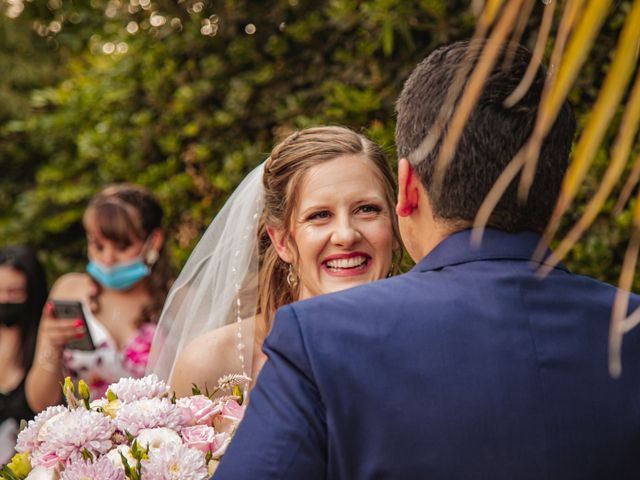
(98, 403)
(116, 459)
(42, 473)
(157, 437)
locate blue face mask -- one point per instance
(121, 276)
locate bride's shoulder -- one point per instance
(220, 338)
(206, 358)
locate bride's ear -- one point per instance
(279, 240)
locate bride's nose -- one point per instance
(345, 233)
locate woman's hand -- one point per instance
(53, 334)
(43, 379)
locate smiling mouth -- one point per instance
(348, 265)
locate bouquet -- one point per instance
(138, 431)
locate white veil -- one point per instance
(218, 285)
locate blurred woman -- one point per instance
(23, 292)
(127, 279)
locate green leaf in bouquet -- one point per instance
(130, 437)
(195, 390)
(7, 474)
(138, 452)
(128, 471)
(87, 455)
(173, 398)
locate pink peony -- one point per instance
(201, 408)
(150, 413)
(200, 437)
(101, 469)
(132, 389)
(174, 462)
(28, 438)
(77, 430)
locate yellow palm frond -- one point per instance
(619, 156)
(611, 93)
(580, 42)
(473, 89)
(490, 11)
(534, 65)
(619, 321)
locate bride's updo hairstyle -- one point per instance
(124, 212)
(283, 174)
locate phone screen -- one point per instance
(73, 309)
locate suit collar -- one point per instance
(496, 245)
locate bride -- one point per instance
(316, 217)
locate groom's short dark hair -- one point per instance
(492, 136)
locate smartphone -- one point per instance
(73, 309)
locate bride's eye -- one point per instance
(369, 208)
(320, 215)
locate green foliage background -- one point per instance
(185, 97)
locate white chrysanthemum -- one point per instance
(101, 469)
(157, 437)
(175, 462)
(132, 389)
(28, 438)
(150, 413)
(78, 430)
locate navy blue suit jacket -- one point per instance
(467, 367)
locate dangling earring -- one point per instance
(292, 278)
(392, 269)
(152, 257)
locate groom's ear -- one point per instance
(279, 239)
(407, 189)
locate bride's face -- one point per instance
(341, 227)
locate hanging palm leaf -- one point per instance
(576, 33)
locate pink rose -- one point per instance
(200, 408)
(232, 410)
(230, 416)
(199, 437)
(220, 444)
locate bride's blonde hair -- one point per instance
(283, 173)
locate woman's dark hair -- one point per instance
(124, 212)
(24, 260)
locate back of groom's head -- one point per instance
(492, 136)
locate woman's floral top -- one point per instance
(106, 364)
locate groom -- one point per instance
(468, 366)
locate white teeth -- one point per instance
(346, 262)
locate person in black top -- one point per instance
(23, 293)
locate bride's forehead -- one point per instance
(353, 170)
